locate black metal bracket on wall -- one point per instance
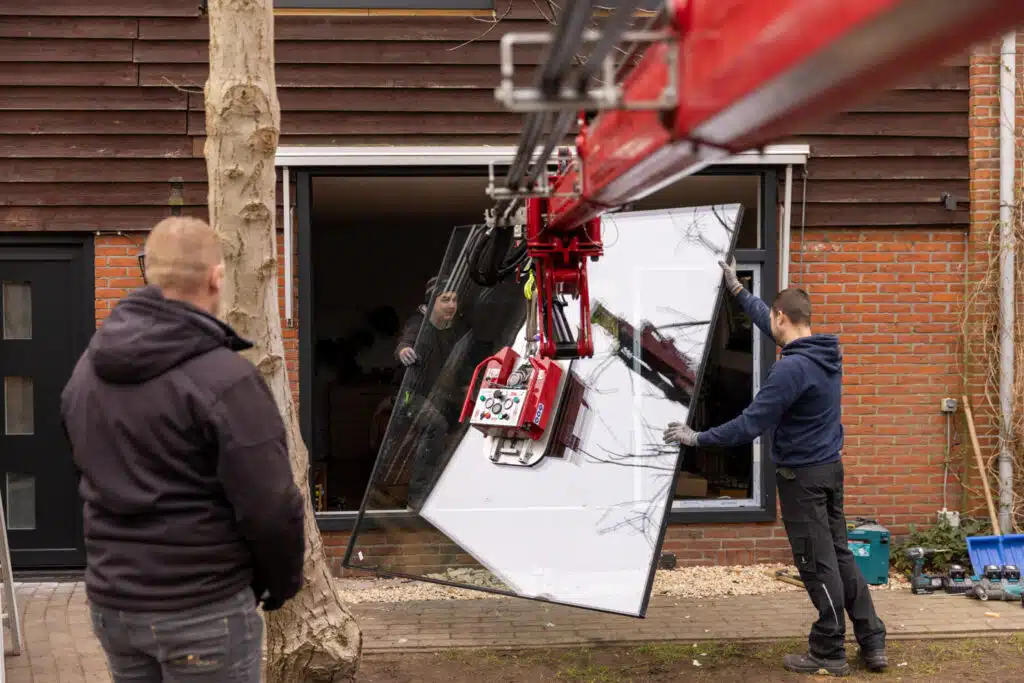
(952, 202)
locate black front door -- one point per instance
(46, 302)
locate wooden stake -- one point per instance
(981, 468)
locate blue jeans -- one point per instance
(220, 642)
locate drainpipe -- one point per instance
(1007, 165)
(787, 226)
(288, 284)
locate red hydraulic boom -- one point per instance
(724, 77)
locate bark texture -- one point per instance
(313, 638)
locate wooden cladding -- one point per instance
(380, 53)
(101, 8)
(455, 77)
(101, 108)
(85, 75)
(68, 27)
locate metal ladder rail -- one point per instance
(8, 603)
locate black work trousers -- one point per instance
(811, 499)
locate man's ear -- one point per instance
(217, 277)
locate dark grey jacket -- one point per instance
(183, 463)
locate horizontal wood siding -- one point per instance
(101, 110)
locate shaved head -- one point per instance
(183, 258)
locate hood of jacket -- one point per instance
(823, 349)
(146, 335)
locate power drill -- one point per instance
(921, 583)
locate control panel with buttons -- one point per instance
(499, 407)
(516, 397)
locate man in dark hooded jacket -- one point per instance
(191, 513)
(432, 392)
(800, 404)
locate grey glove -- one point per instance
(677, 432)
(732, 283)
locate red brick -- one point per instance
(117, 273)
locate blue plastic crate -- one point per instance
(997, 550)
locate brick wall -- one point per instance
(894, 297)
(892, 294)
(117, 274)
(984, 196)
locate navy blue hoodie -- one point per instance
(800, 401)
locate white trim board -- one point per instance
(482, 155)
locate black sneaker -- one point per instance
(874, 660)
(809, 664)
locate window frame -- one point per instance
(764, 262)
(308, 163)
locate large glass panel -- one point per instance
(364, 311)
(19, 408)
(17, 303)
(21, 502)
(577, 517)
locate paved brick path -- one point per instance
(60, 647)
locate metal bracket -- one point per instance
(516, 220)
(608, 95)
(542, 188)
(951, 202)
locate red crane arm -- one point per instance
(749, 72)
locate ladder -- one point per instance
(8, 603)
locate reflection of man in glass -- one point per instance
(431, 397)
(800, 404)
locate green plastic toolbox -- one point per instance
(869, 542)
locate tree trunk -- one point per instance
(313, 638)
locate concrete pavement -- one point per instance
(60, 646)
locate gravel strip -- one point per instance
(683, 582)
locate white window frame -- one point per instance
(293, 158)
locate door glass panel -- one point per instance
(21, 502)
(17, 303)
(19, 412)
(577, 517)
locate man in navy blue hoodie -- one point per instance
(800, 405)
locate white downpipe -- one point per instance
(787, 225)
(285, 196)
(1007, 165)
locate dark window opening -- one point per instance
(376, 243)
(717, 472)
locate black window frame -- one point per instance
(766, 257)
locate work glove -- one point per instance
(678, 432)
(732, 283)
(407, 356)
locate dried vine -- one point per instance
(980, 331)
